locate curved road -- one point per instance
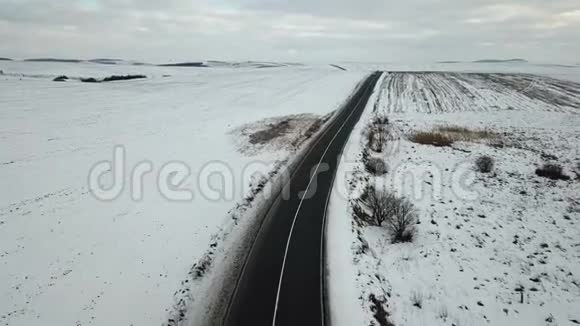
(282, 282)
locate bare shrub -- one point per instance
(379, 312)
(89, 80)
(360, 214)
(484, 164)
(380, 119)
(199, 269)
(443, 313)
(375, 137)
(60, 78)
(127, 77)
(376, 133)
(403, 218)
(375, 166)
(375, 205)
(379, 206)
(314, 127)
(552, 171)
(417, 299)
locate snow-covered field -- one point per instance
(566, 72)
(67, 258)
(491, 249)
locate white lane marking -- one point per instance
(300, 205)
(322, 260)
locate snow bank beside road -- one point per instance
(345, 304)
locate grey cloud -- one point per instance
(305, 30)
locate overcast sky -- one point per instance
(292, 30)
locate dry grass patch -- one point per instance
(279, 133)
(431, 138)
(458, 133)
(447, 135)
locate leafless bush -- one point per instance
(375, 166)
(380, 119)
(199, 269)
(127, 77)
(552, 171)
(376, 137)
(484, 164)
(379, 206)
(443, 313)
(403, 218)
(417, 299)
(376, 133)
(379, 312)
(374, 206)
(89, 80)
(60, 78)
(360, 214)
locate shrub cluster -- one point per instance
(552, 171)
(376, 133)
(484, 164)
(127, 77)
(378, 207)
(89, 80)
(375, 166)
(112, 78)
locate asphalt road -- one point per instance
(282, 282)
